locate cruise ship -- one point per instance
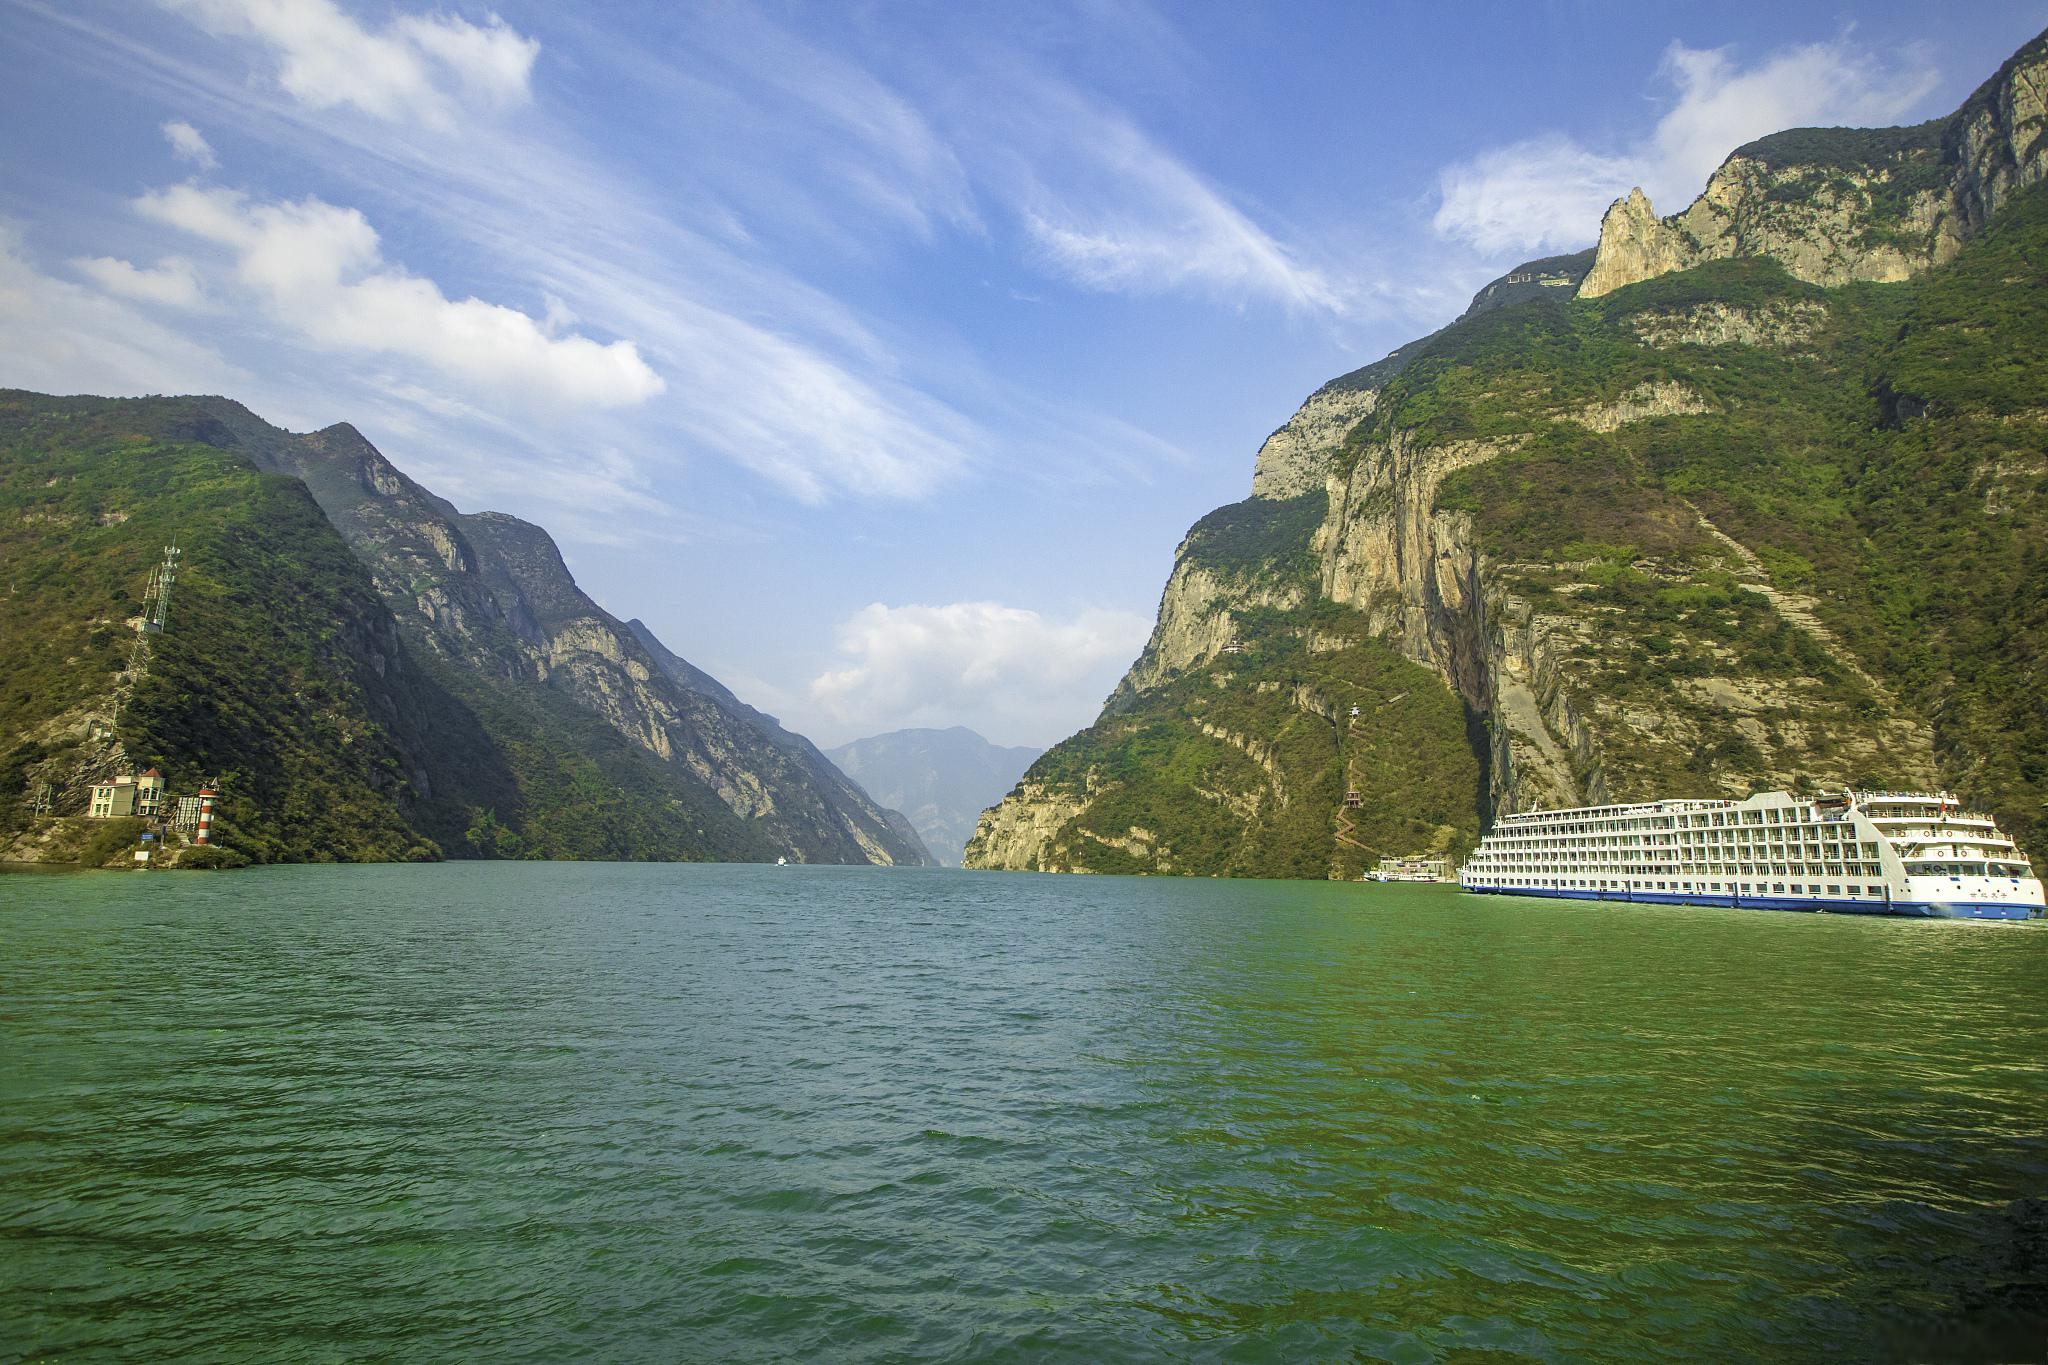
(1872, 853)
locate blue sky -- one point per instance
(877, 355)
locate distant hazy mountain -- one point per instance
(941, 779)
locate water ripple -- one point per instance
(530, 1112)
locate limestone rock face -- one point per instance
(1295, 458)
(1548, 657)
(1782, 327)
(1014, 835)
(1635, 244)
(1835, 206)
(1195, 615)
(1644, 401)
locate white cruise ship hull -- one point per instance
(1840, 905)
(1855, 853)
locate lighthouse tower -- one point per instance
(207, 796)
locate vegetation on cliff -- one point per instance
(1242, 768)
(260, 680)
(337, 731)
(1893, 469)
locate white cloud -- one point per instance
(59, 337)
(318, 270)
(172, 281)
(416, 67)
(189, 144)
(1014, 674)
(1548, 192)
(795, 416)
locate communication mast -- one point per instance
(156, 614)
(156, 601)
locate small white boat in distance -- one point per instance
(1411, 870)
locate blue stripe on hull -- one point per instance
(1914, 909)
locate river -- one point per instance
(632, 1112)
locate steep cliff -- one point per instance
(536, 726)
(491, 592)
(280, 671)
(1748, 519)
(1834, 205)
(803, 792)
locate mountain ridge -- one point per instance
(622, 755)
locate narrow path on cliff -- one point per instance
(1796, 608)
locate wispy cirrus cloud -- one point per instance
(993, 143)
(1548, 191)
(1120, 213)
(753, 363)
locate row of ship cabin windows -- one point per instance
(1915, 869)
(1705, 888)
(1836, 848)
(1966, 869)
(1811, 864)
(1820, 869)
(1708, 820)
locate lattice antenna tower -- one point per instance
(156, 602)
(156, 614)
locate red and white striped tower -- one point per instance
(207, 796)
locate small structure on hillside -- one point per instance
(156, 598)
(202, 830)
(114, 800)
(149, 795)
(130, 794)
(1236, 646)
(1352, 799)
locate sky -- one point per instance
(876, 355)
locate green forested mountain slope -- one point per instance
(281, 672)
(1707, 530)
(352, 677)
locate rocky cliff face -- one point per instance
(492, 592)
(1650, 539)
(801, 790)
(1837, 205)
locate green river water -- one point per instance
(537, 1112)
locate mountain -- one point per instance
(1755, 496)
(941, 779)
(373, 673)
